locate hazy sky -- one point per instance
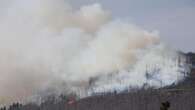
(174, 19)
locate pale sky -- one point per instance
(174, 19)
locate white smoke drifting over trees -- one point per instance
(47, 46)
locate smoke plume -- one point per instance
(46, 47)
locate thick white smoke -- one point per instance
(45, 45)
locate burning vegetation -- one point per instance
(48, 48)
